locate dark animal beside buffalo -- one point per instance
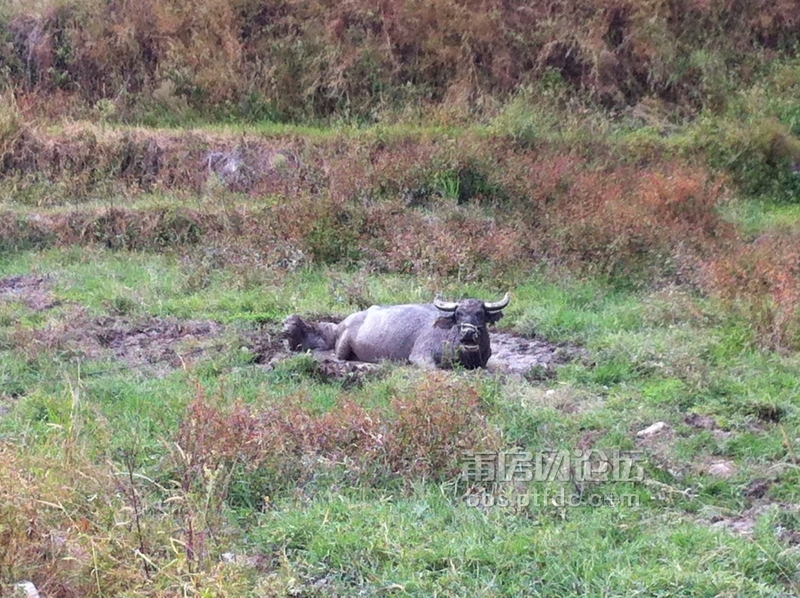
(439, 334)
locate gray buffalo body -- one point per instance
(438, 334)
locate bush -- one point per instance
(761, 156)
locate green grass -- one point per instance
(407, 546)
(649, 356)
(759, 217)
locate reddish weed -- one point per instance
(761, 281)
(420, 435)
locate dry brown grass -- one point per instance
(761, 282)
(661, 218)
(293, 59)
(419, 435)
(418, 207)
(64, 529)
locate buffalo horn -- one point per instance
(444, 305)
(497, 305)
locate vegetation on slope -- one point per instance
(315, 59)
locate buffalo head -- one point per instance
(468, 319)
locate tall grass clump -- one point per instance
(420, 434)
(10, 124)
(761, 155)
(77, 527)
(760, 281)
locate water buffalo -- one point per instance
(439, 334)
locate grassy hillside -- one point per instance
(177, 178)
(294, 60)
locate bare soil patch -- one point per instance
(531, 357)
(266, 344)
(745, 522)
(137, 341)
(32, 290)
(157, 345)
(155, 340)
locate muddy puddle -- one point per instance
(31, 290)
(512, 354)
(139, 342)
(523, 356)
(153, 345)
(159, 345)
(169, 342)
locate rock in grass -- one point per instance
(652, 430)
(722, 469)
(25, 589)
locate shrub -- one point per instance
(433, 425)
(760, 156)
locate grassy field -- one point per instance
(628, 171)
(124, 474)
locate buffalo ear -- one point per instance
(493, 316)
(446, 322)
